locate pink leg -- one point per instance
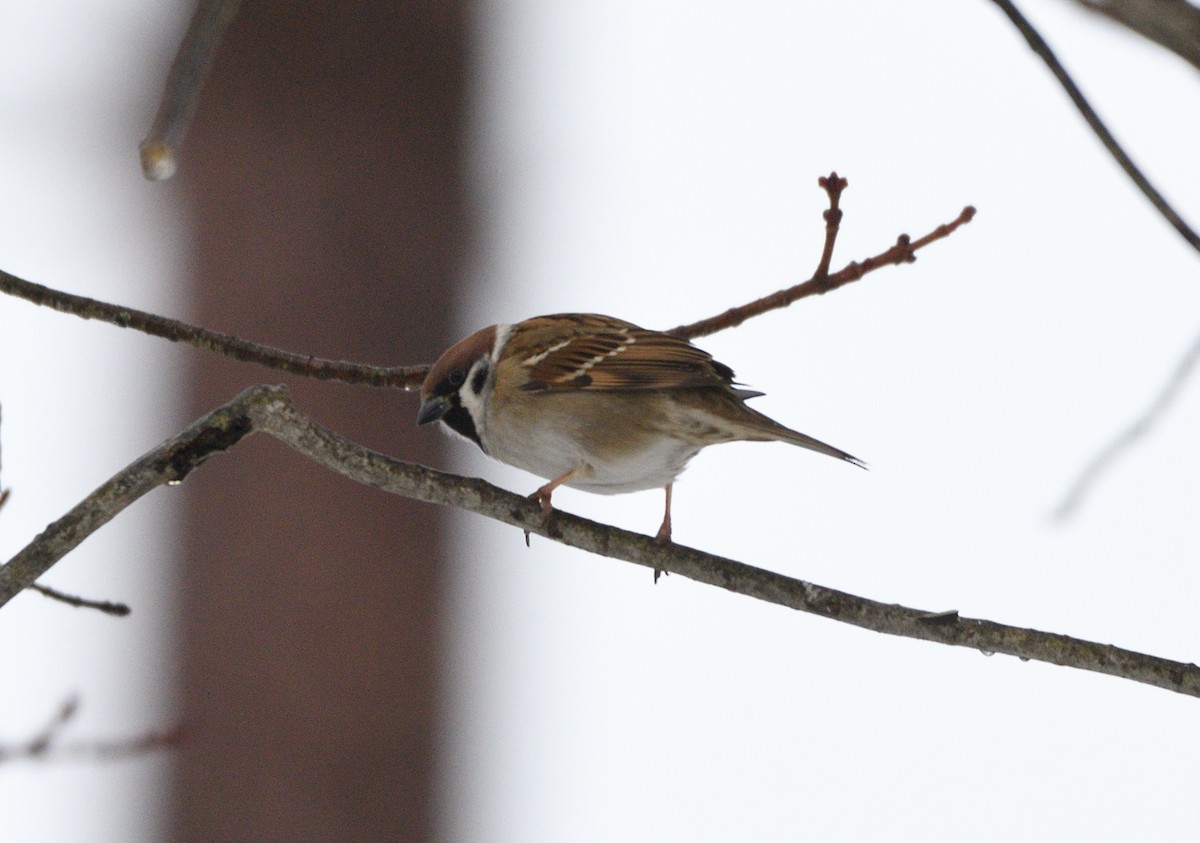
(543, 494)
(664, 532)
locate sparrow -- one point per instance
(595, 403)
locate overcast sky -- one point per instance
(77, 89)
(658, 161)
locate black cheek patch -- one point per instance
(479, 379)
(460, 421)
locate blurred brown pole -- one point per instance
(323, 175)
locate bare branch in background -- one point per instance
(1129, 437)
(45, 744)
(410, 377)
(1039, 46)
(903, 251)
(1174, 24)
(39, 743)
(404, 377)
(268, 409)
(160, 149)
(108, 607)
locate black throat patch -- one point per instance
(459, 420)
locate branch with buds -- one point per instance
(268, 409)
(410, 377)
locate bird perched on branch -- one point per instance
(594, 403)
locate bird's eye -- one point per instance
(457, 377)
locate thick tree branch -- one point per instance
(1174, 24)
(166, 464)
(268, 409)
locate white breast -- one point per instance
(561, 436)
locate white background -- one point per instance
(658, 161)
(78, 87)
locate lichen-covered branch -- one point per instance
(268, 409)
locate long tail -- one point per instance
(773, 430)
(793, 437)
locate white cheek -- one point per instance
(474, 402)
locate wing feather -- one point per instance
(592, 353)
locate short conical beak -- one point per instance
(433, 409)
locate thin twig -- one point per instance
(902, 252)
(160, 149)
(106, 606)
(39, 743)
(402, 377)
(833, 185)
(1106, 458)
(45, 745)
(1039, 46)
(116, 749)
(410, 377)
(268, 409)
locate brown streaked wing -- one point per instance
(619, 356)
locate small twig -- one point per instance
(105, 606)
(39, 743)
(1039, 46)
(44, 746)
(269, 410)
(1127, 438)
(833, 185)
(902, 252)
(160, 149)
(410, 377)
(113, 750)
(402, 377)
